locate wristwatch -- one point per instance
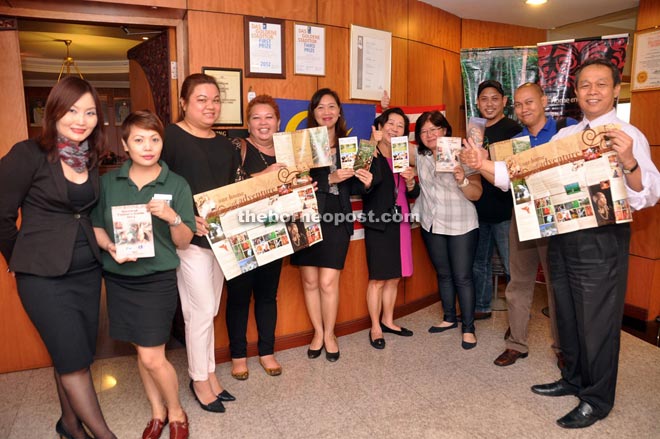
(631, 170)
(176, 222)
(465, 183)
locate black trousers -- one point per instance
(263, 283)
(589, 272)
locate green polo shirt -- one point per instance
(117, 189)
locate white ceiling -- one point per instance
(553, 14)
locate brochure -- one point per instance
(348, 148)
(303, 149)
(133, 231)
(365, 155)
(400, 158)
(446, 154)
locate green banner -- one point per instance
(511, 66)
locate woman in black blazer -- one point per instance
(387, 229)
(53, 180)
(321, 264)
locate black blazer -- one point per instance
(49, 223)
(381, 198)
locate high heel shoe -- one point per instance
(226, 396)
(314, 353)
(61, 431)
(214, 407)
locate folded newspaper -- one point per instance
(565, 185)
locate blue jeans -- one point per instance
(452, 257)
(490, 235)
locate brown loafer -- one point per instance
(272, 371)
(154, 429)
(508, 357)
(179, 429)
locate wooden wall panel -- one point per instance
(424, 280)
(11, 94)
(336, 62)
(287, 9)
(645, 240)
(387, 15)
(433, 26)
(399, 92)
(648, 14)
(477, 34)
(141, 95)
(177, 4)
(640, 280)
(644, 114)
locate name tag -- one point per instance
(166, 197)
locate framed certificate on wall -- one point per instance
(371, 62)
(308, 49)
(230, 83)
(264, 48)
(646, 61)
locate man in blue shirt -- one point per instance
(524, 257)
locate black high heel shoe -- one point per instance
(214, 407)
(61, 431)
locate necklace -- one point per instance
(263, 159)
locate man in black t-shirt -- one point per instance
(494, 207)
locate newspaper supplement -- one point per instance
(259, 220)
(566, 185)
(133, 231)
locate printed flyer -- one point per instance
(400, 157)
(446, 154)
(303, 149)
(133, 232)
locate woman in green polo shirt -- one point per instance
(141, 290)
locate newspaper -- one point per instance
(259, 220)
(303, 149)
(134, 237)
(565, 185)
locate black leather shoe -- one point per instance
(437, 329)
(314, 353)
(226, 396)
(403, 332)
(331, 356)
(580, 417)
(61, 431)
(378, 343)
(467, 345)
(558, 388)
(214, 407)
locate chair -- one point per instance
(497, 303)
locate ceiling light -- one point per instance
(68, 62)
(536, 2)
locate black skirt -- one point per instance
(65, 310)
(141, 308)
(331, 252)
(383, 251)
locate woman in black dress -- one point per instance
(386, 228)
(321, 264)
(54, 181)
(263, 120)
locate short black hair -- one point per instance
(381, 120)
(616, 76)
(490, 83)
(438, 120)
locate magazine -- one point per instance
(348, 148)
(133, 232)
(400, 158)
(446, 154)
(476, 130)
(303, 149)
(365, 155)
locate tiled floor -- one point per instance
(420, 387)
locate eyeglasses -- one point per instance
(430, 131)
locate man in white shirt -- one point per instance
(589, 268)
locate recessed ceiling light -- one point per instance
(536, 2)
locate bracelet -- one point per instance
(631, 170)
(465, 183)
